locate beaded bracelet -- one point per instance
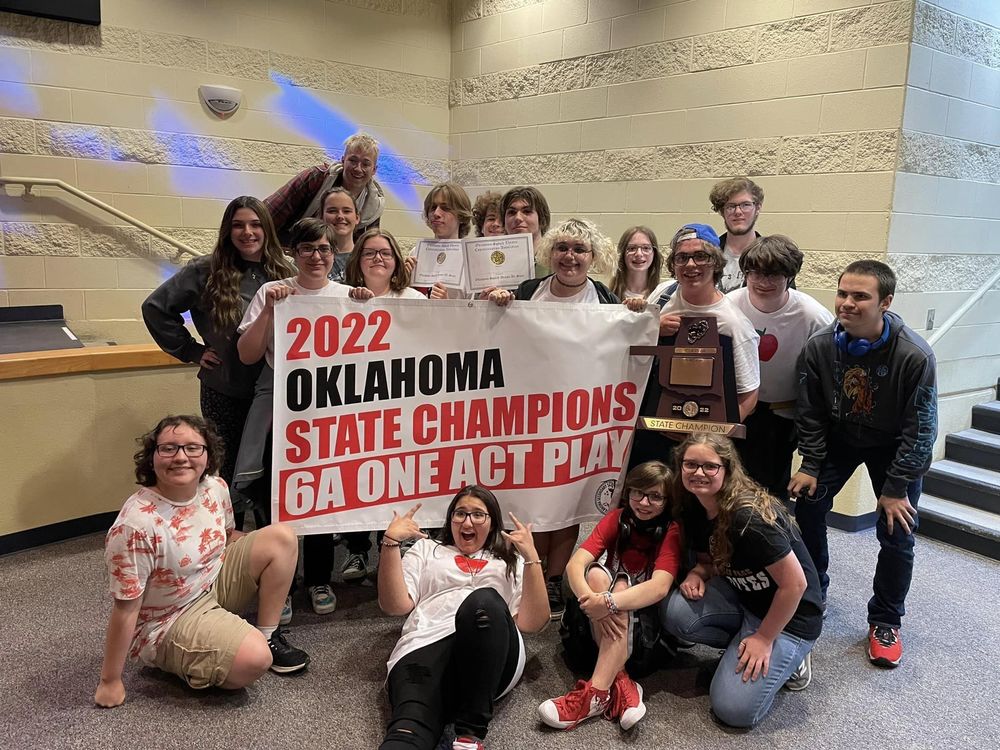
(391, 543)
(532, 562)
(609, 600)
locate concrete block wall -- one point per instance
(944, 238)
(114, 110)
(629, 110)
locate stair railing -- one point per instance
(30, 182)
(964, 308)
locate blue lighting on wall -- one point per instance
(19, 98)
(312, 117)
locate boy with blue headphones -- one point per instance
(867, 395)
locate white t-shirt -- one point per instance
(732, 322)
(732, 276)
(586, 295)
(167, 554)
(438, 586)
(257, 304)
(782, 333)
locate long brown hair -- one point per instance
(494, 543)
(222, 291)
(738, 491)
(619, 280)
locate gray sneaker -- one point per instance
(355, 568)
(802, 676)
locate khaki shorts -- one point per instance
(202, 643)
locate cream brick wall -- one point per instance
(639, 107)
(114, 110)
(946, 206)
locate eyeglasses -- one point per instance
(562, 248)
(761, 276)
(708, 469)
(700, 258)
(745, 207)
(654, 498)
(478, 517)
(191, 450)
(370, 254)
(306, 251)
(632, 249)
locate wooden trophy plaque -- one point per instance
(694, 396)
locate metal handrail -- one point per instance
(30, 182)
(964, 308)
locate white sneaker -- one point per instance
(286, 611)
(324, 601)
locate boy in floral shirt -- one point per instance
(180, 571)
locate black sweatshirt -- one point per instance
(887, 397)
(163, 309)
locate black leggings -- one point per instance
(228, 414)
(455, 679)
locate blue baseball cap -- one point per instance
(695, 232)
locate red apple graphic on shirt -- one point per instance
(767, 347)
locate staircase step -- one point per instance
(959, 525)
(975, 447)
(961, 483)
(986, 417)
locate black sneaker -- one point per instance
(285, 658)
(356, 567)
(553, 586)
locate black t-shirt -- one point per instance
(757, 544)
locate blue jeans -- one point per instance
(894, 569)
(719, 620)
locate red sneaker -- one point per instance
(467, 743)
(579, 704)
(884, 646)
(626, 701)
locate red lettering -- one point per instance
(300, 327)
(381, 319)
(296, 434)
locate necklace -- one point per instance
(570, 286)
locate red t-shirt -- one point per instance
(639, 552)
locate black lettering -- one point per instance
(492, 372)
(327, 391)
(376, 383)
(462, 370)
(403, 376)
(298, 390)
(430, 375)
(351, 395)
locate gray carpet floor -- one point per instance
(55, 605)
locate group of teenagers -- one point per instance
(701, 548)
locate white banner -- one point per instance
(383, 403)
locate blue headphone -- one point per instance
(860, 347)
